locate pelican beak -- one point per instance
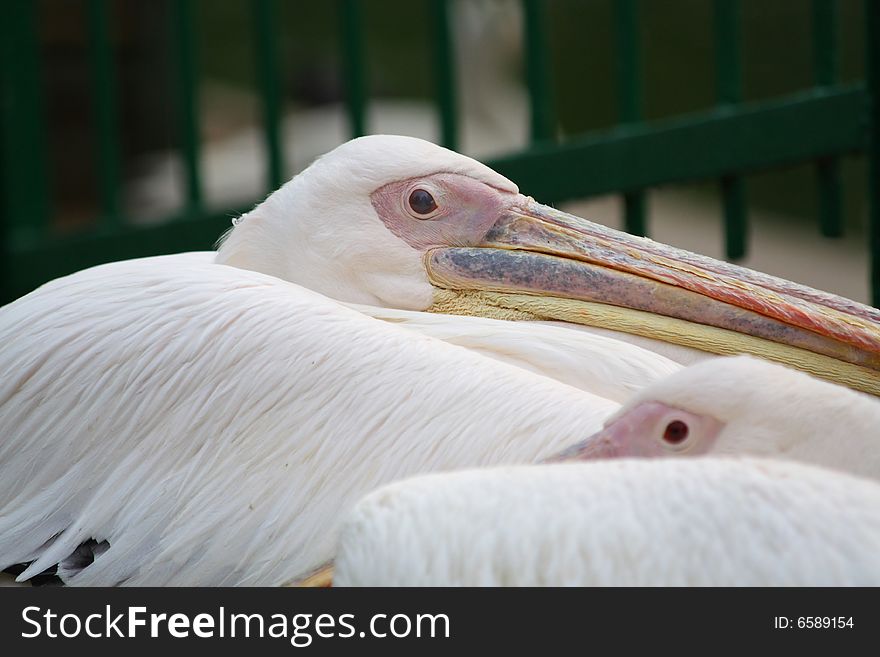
(534, 250)
(601, 445)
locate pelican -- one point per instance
(742, 405)
(198, 424)
(391, 222)
(137, 392)
(629, 522)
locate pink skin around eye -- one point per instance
(639, 433)
(467, 209)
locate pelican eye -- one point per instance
(421, 202)
(676, 432)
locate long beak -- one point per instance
(536, 250)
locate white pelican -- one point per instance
(397, 222)
(169, 423)
(743, 405)
(137, 392)
(689, 522)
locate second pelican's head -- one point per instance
(742, 407)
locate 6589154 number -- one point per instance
(824, 622)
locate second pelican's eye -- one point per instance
(421, 202)
(676, 432)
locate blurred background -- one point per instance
(124, 117)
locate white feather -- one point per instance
(212, 423)
(592, 361)
(601, 365)
(696, 522)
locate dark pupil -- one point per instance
(422, 202)
(676, 432)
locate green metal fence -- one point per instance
(734, 138)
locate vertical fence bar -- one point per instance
(828, 175)
(629, 92)
(629, 98)
(265, 22)
(543, 119)
(106, 115)
(825, 66)
(187, 94)
(729, 91)
(26, 206)
(444, 73)
(354, 65)
(872, 78)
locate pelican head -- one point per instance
(742, 406)
(399, 222)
